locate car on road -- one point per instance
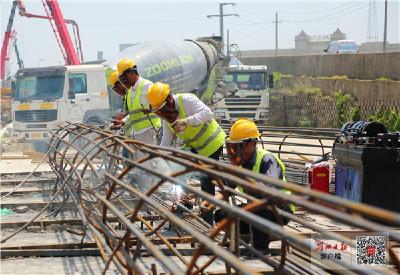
(342, 46)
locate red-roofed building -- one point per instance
(338, 35)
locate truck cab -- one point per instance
(46, 96)
(247, 95)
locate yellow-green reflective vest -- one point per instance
(128, 126)
(205, 138)
(137, 119)
(256, 169)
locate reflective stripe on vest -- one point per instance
(137, 118)
(205, 138)
(256, 169)
(260, 155)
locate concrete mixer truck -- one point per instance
(43, 97)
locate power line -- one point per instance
(266, 22)
(250, 36)
(267, 26)
(221, 16)
(254, 13)
(331, 16)
(329, 11)
(355, 10)
(252, 22)
(282, 26)
(337, 13)
(321, 11)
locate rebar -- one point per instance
(107, 184)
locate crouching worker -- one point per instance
(187, 117)
(242, 150)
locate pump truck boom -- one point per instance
(6, 41)
(58, 24)
(43, 97)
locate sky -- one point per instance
(105, 24)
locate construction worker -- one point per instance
(117, 85)
(144, 125)
(188, 118)
(120, 89)
(241, 146)
(120, 118)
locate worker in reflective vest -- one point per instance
(241, 146)
(188, 118)
(120, 118)
(144, 124)
(119, 89)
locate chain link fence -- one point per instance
(302, 110)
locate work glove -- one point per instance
(118, 122)
(120, 116)
(179, 125)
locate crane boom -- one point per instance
(72, 57)
(75, 26)
(6, 41)
(19, 60)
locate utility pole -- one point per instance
(276, 33)
(385, 28)
(227, 45)
(221, 16)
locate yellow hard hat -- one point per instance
(125, 64)
(114, 78)
(243, 129)
(157, 94)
